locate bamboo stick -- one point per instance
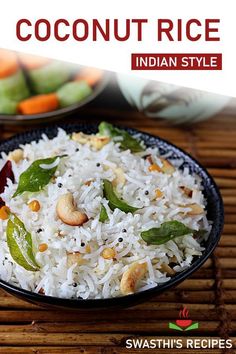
(95, 350)
(95, 333)
(206, 284)
(229, 200)
(12, 302)
(216, 135)
(226, 182)
(230, 218)
(192, 297)
(88, 319)
(210, 273)
(221, 139)
(225, 251)
(57, 339)
(200, 284)
(230, 229)
(228, 273)
(175, 295)
(214, 144)
(227, 240)
(220, 172)
(229, 263)
(203, 273)
(228, 192)
(151, 309)
(149, 305)
(230, 209)
(171, 306)
(207, 264)
(217, 153)
(216, 162)
(193, 307)
(60, 350)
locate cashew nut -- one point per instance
(66, 211)
(196, 209)
(131, 277)
(93, 140)
(167, 167)
(75, 258)
(88, 248)
(164, 266)
(120, 177)
(99, 141)
(173, 259)
(187, 191)
(87, 183)
(149, 159)
(41, 291)
(81, 137)
(167, 269)
(16, 155)
(158, 193)
(108, 253)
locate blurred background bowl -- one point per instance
(57, 114)
(174, 103)
(36, 89)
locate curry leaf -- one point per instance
(103, 214)
(114, 201)
(166, 232)
(37, 176)
(19, 241)
(127, 141)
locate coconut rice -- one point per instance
(160, 197)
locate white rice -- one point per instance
(99, 278)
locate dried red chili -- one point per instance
(5, 173)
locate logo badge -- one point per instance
(183, 323)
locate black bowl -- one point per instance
(215, 213)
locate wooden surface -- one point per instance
(210, 294)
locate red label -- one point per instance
(207, 61)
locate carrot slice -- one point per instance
(8, 63)
(90, 75)
(39, 104)
(31, 62)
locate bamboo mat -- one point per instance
(210, 294)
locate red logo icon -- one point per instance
(183, 323)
